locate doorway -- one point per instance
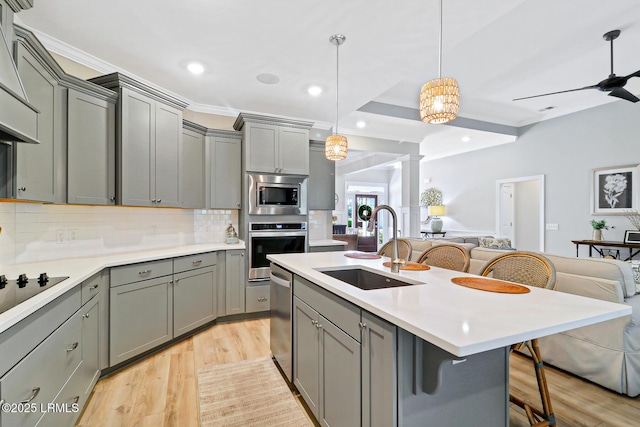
(520, 211)
(367, 240)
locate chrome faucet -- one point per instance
(396, 261)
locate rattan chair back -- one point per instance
(404, 249)
(447, 256)
(523, 267)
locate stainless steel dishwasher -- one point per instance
(281, 328)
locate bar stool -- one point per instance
(451, 257)
(531, 269)
(404, 249)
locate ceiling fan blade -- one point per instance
(624, 94)
(554, 93)
(636, 74)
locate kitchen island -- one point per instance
(447, 356)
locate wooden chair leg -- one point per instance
(537, 417)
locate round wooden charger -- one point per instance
(414, 266)
(490, 285)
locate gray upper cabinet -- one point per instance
(322, 182)
(274, 145)
(91, 173)
(149, 143)
(193, 165)
(40, 169)
(225, 149)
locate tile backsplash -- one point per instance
(36, 232)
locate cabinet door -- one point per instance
(340, 391)
(194, 299)
(167, 170)
(306, 355)
(235, 282)
(379, 381)
(41, 168)
(226, 173)
(261, 154)
(193, 164)
(91, 150)
(293, 151)
(141, 318)
(322, 182)
(137, 149)
(92, 331)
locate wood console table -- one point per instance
(593, 244)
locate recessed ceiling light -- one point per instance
(314, 90)
(550, 107)
(195, 68)
(466, 138)
(268, 79)
(361, 124)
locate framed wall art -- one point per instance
(614, 190)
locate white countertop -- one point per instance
(459, 320)
(79, 269)
(326, 242)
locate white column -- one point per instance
(410, 216)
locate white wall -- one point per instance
(565, 150)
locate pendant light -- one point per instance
(439, 98)
(336, 146)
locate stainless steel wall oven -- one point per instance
(266, 238)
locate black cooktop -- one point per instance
(16, 291)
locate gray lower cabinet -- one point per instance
(194, 292)
(235, 282)
(44, 370)
(141, 312)
(344, 360)
(257, 298)
(379, 378)
(326, 368)
(91, 170)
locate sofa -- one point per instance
(607, 353)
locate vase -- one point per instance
(597, 235)
(436, 225)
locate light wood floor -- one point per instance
(161, 390)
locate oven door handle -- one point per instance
(278, 280)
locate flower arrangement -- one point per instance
(431, 197)
(634, 218)
(599, 225)
(614, 186)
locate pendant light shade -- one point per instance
(439, 98)
(336, 146)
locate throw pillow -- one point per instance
(494, 243)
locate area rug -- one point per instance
(247, 393)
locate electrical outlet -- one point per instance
(553, 227)
(73, 235)
(61, 236)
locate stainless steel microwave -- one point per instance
(277, 194)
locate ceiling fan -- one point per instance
(612, 84)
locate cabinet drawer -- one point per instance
(24, 336)
(43, 372)
(93, 285)
(190, 262)
(342, 313)
(257, 298)
(143, 271)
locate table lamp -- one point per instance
(436, 223)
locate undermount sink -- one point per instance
(365, 279)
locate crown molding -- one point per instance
(269, 120)
(18, 5)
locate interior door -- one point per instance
(367, 240)
(507, 208)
